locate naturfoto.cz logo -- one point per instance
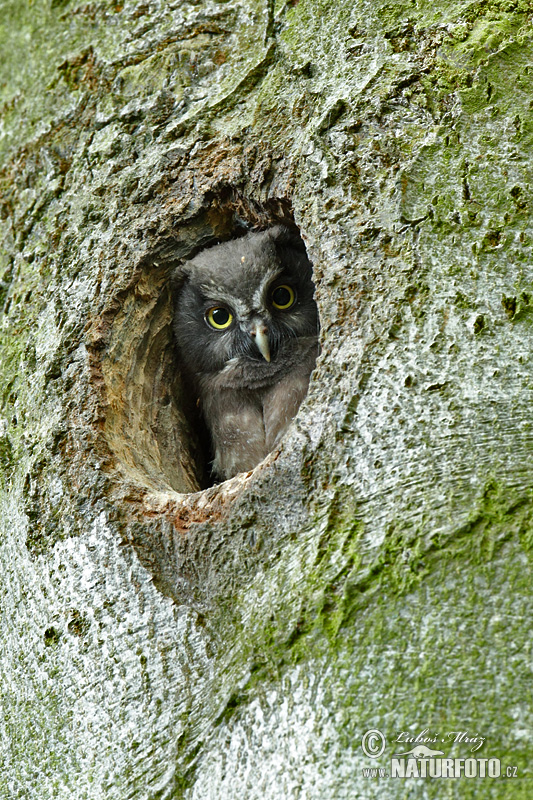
(424, 761)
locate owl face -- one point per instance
(246, 301)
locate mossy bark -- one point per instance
(164, 642)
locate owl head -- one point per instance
(247, 301)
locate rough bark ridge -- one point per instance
(163, 642)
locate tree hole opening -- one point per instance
(153, 422)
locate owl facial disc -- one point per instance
(259, 334)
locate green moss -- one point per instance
(518, 306)
(7, 460)
(404, 643)
(342, 580)
(400, 632)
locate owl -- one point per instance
(246, 327)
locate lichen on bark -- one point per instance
(160, 641)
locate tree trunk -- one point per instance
(164, 639)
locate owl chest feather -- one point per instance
(249, 406)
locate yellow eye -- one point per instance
(283, 297)
(219, 318)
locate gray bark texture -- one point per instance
(235, 643)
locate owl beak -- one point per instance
(259, 333)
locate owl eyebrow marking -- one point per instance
(214, 296)
(260, 293)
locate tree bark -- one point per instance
(166, 639)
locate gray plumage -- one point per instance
(246, 327)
